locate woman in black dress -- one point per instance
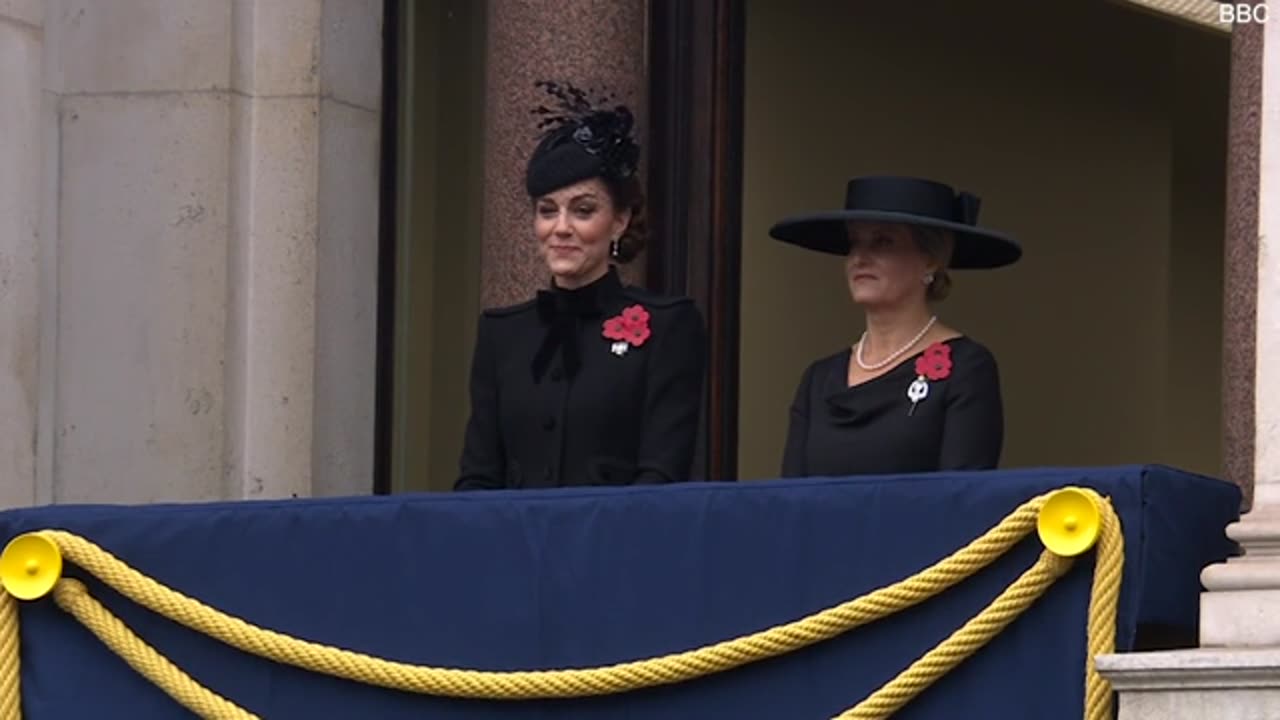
(591, 382)
(912, 394)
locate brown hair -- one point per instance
(937, 244)
(627, 194)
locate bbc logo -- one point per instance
(1243, 13)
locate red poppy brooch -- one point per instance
(628, 329)
(933, 364)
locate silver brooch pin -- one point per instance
(917, 391)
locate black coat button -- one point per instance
(556, 375)
(549, 424)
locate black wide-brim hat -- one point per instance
(907, 200)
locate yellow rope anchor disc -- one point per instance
(1069, 522)
(30, 566)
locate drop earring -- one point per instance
(613, 248)
(928, 278)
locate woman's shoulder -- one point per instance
(965, 347)
(508, 311)
(503, 320)
(667, 311)
(836, 362)
(657, 300)
(973, 363)
(824, 375)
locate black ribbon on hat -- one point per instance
(966, 208)
(560, 311)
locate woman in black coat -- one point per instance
(912, 394)
(591, 382)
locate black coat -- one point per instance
(554, 404)
(871, 428)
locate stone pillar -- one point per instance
(271, 283)
(21, 171)
(303, 247)
(205, 181)
(1240, 261)
(1235, 674)
(347, 203)
(141, 215)
(589, 43)
(1242, 607)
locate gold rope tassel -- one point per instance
(10, 687)
(976, 633)
(73, 597)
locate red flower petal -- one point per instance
(638, 335)
(938, 350)
(933, 364)
(615, 329)
(939, 371)
(636, 315)
(922, 365)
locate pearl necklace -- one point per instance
(876, 366)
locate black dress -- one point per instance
(554, 402)
(872, 428)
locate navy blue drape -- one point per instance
(579, 577)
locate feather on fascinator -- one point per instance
(582, 138)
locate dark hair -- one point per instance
(628, 194)
(937, 244)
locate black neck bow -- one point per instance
(560, 311)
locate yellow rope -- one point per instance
(622, 677)
(668, 669)
(73, 596)
(964, 642)
(1104, 600)
(1103, 604)
(10, 690)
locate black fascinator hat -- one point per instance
(582, 139)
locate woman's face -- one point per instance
(885, 267)
(574, 227)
